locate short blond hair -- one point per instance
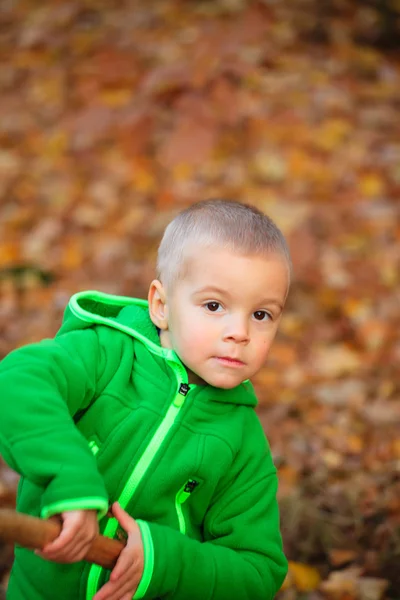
(226, 223)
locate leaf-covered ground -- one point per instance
(114, 116)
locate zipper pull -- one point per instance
(190, 486)
(94, 447)
(187, 489)
(182, 392)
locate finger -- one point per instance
(124, 563)
(123, 518)
(126, 584)
(73, 537)
(69, 534)
(114, 591)
(63, 557)
(72, 552)
(65, 548)
(63, 540)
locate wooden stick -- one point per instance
(34, 533)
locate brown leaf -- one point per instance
(166, 80)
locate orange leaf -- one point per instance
(9, 253)
(340, 557)
(72, 255)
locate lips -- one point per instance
(229, 361)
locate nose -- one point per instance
(237, 331)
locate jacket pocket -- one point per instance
(182, 496)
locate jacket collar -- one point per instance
(131, 316)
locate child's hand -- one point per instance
(128, 571)
(78, 531)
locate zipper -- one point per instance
(181, 497)
(142, 467)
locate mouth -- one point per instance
(229, 362)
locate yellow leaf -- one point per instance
(291, 324)
(331, 459)
(116, 97)
(49, 90)
(371, 185)
(56, 144)
(389, 275)
(268, 167)
(356, 243)
(304, 577)
(182, 171)
(332, 133)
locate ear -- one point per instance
(157, 304)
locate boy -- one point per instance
(148, 405)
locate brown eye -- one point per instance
(213, 306)
(261, 315)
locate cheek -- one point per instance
(194, 339)
(263, 348)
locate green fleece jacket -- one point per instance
(102, 413)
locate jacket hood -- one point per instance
(131, 316)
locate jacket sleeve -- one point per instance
(242, 554)
(41, 386)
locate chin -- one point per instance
(224, 383)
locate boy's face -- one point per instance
(222, 317)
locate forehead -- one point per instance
(252, 275)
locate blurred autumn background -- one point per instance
(116, 115)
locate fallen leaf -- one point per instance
(371, 588)
(304, 577)
(342, 584)
(268, 167)
(339, 557)
(335, 361)
(372, 185)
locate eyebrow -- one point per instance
(213, 288)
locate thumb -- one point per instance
(123, 518)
